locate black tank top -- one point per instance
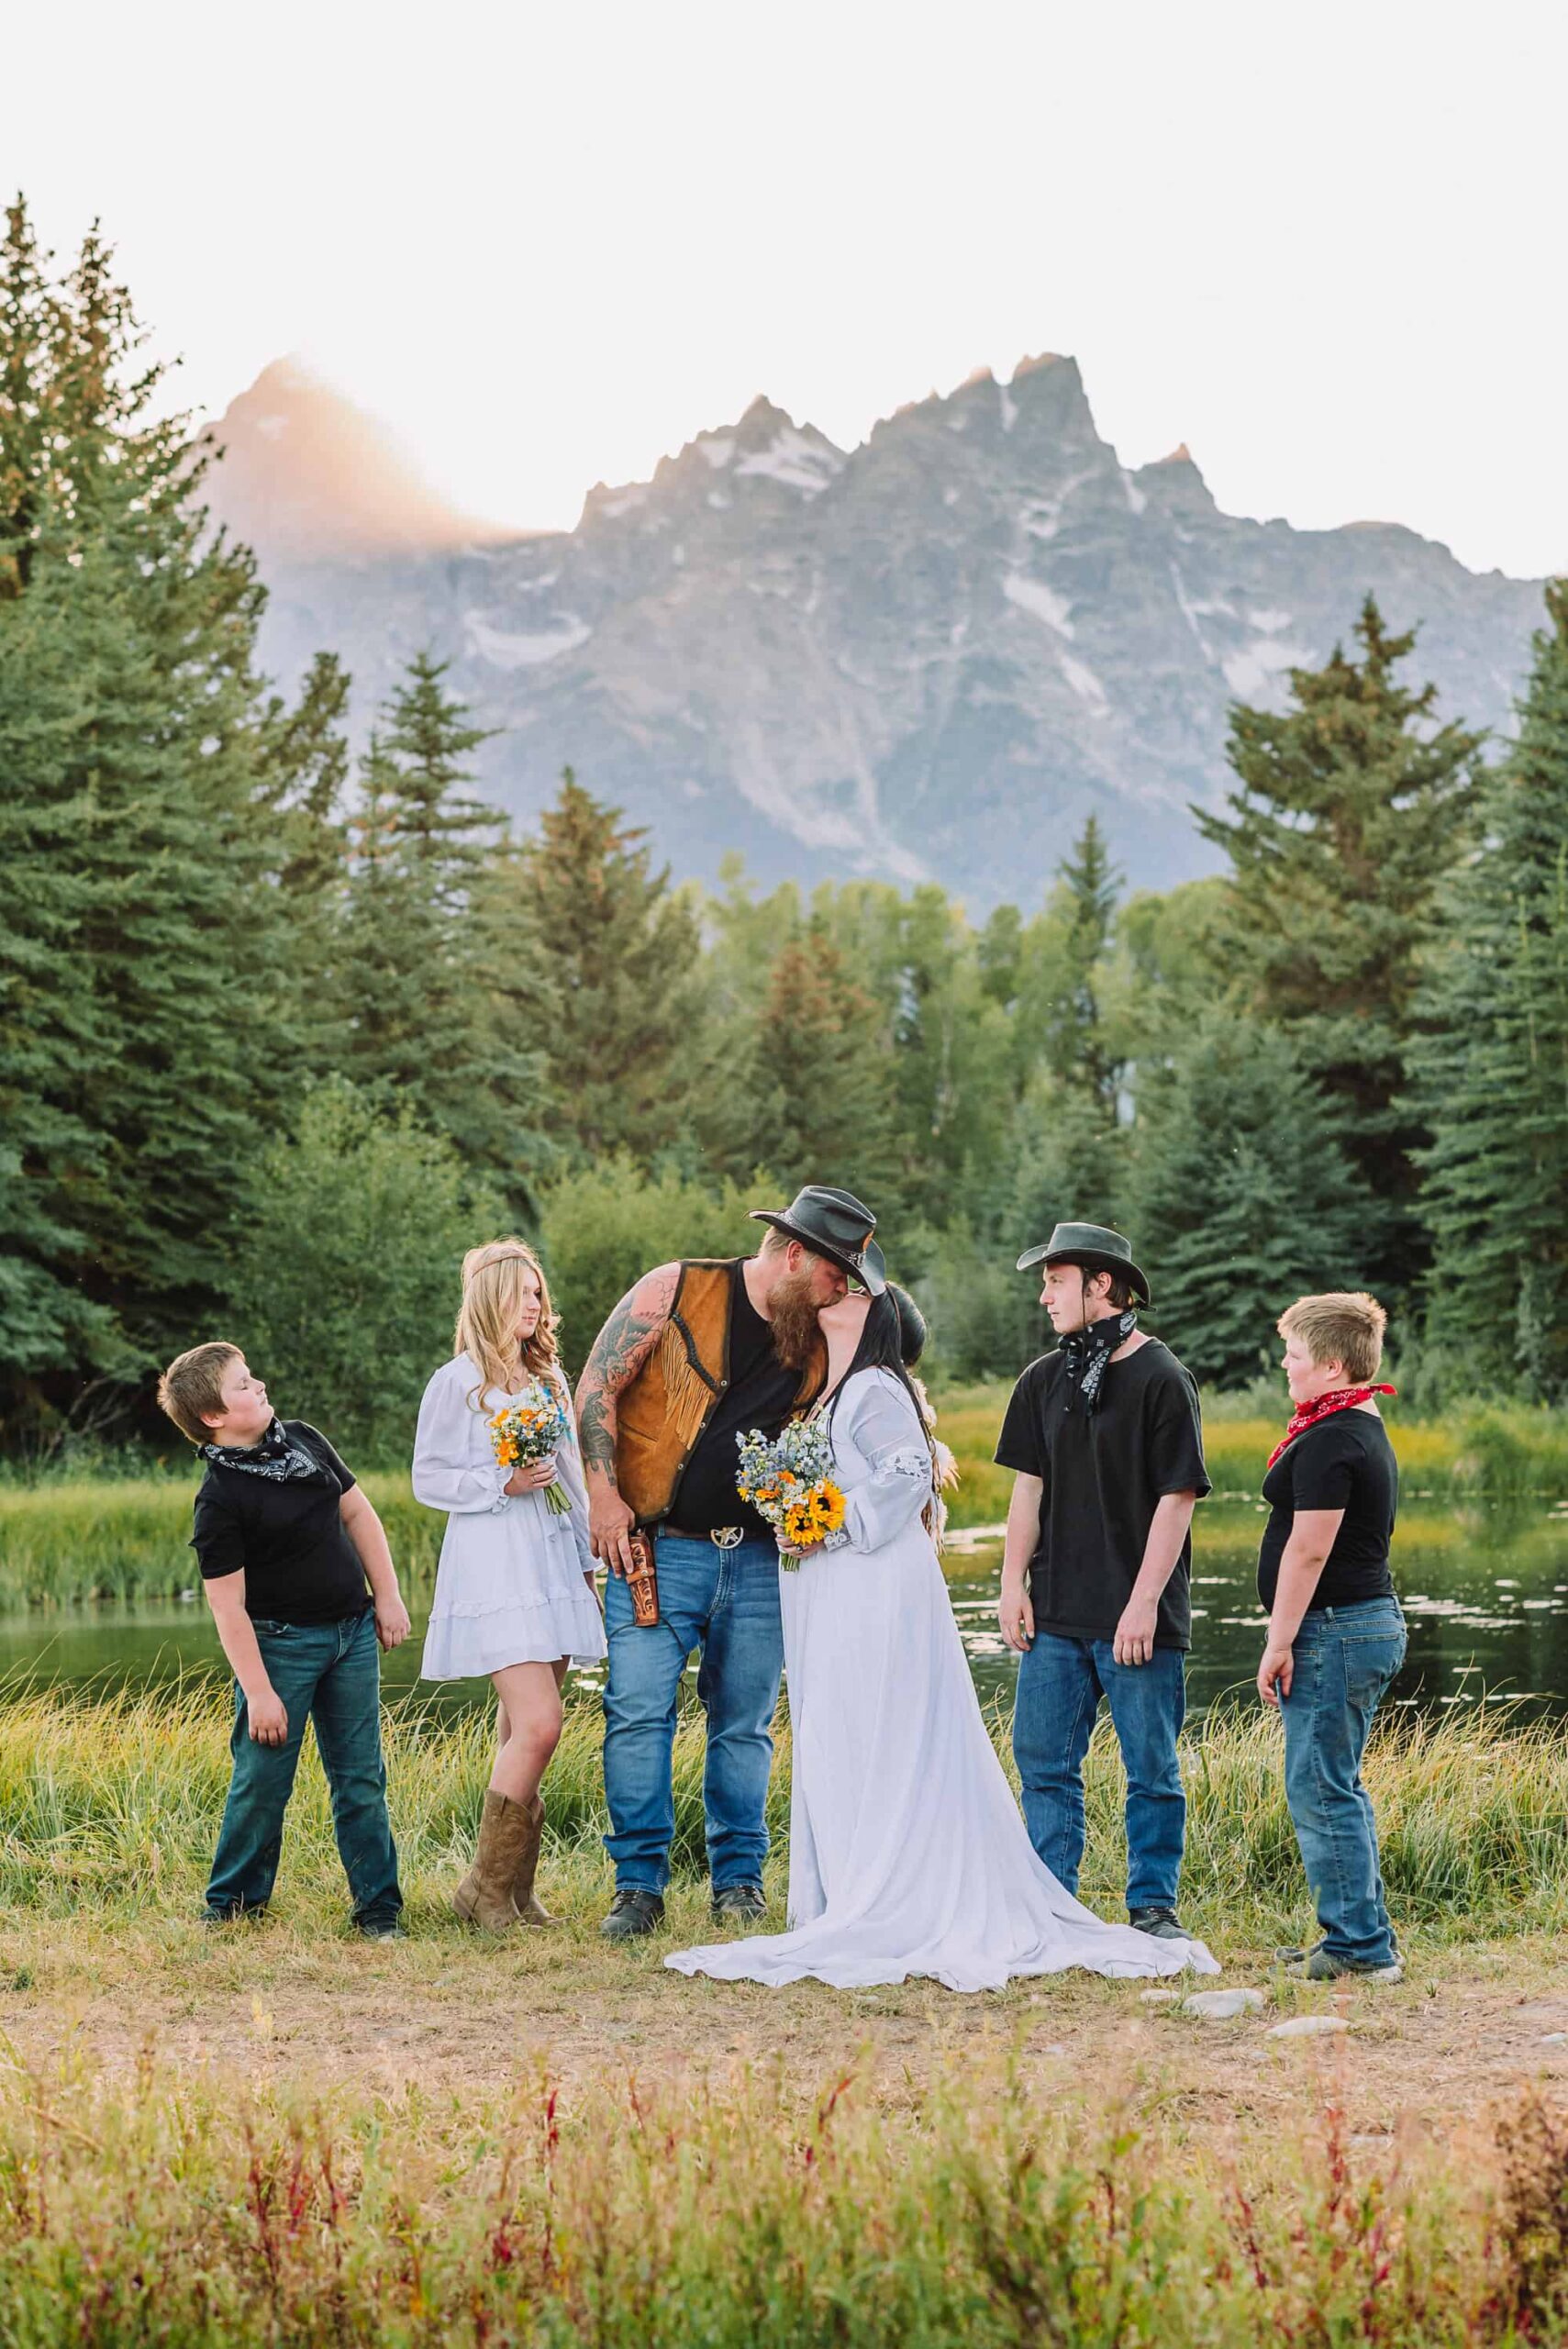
(760, 1394)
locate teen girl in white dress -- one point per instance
(907, 1852)
(515, 1596)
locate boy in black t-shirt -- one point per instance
(287, 1541)
(1336, 1634)
(1106, 1441)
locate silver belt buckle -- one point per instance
(728, 1537)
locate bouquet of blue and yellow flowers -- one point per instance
(788, 1481)
(531, 1428)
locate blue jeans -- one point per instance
(727, 1603)
(329, 1672)
(1344, 1657)
(1061, 1682)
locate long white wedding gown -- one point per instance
(909, 1854)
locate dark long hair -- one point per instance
(893, 1340)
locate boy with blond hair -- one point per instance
(287, 1541)
(1336, 1634)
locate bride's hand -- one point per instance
(533, 1478)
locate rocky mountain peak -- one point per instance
(306, 475)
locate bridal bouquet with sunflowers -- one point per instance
(787, 1480)
(531, 1428)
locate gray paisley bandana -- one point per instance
(1086, 1352)
(274, 1456)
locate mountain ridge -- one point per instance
(928, 657)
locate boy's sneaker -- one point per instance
(379, 1928)
(1316, 1965)
(1164, 1924)
(633, 1911)
(234, 1915)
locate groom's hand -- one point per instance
(1016, 1614)
(1134, 1641)
(610, 1522)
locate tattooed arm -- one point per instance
(621, 1348)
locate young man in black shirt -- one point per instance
(1106, 1443)
(287, 1541)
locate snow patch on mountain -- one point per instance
(798, 461)
(1084, 683)
(504, 650)
(1256, 669)
(1034, 596)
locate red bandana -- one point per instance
(1306, 1415)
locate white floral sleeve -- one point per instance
(885, 1429)
(455, 1467)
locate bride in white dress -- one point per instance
(909, 1854)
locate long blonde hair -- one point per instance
(487, 1318)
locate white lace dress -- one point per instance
(511, 1584)
(909, 1854)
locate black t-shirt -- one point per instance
(1105, 1473)
(760, 1394)
(299, 1564)
(1345, 1462)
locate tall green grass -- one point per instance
(128, 1538)
(641, 2214)
(1481, 1452)
(114, 1799)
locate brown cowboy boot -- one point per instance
(530, 1907)
(485, 1896)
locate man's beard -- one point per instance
(792, 1317)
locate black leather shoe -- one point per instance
(1164, 1924)
(633, 1913)
(739, 1904)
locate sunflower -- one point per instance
(826, 1507)
(800, 1525)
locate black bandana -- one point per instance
(1086, 1352)
(274, 1456)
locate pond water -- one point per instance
(1485, 1591)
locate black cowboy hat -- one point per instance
(1096, 1247)
(833, 1224)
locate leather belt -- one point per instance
(723, 1536)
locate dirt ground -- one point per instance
(1466, 2031)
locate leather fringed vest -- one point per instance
(660, 1415)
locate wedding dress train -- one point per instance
(909, 1854)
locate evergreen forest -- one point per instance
(289, 1017)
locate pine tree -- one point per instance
(28, 320)
(811, 1096)
(1492, 1065)
(610, 994)
(137, 1052)
(433, 982)
(1243, 1196)
(1080, 1052)
(303, 779)
(1352, 806)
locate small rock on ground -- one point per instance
(1160, 1998)
(1310, 2027)
(1219, 2006)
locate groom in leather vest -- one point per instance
(695, 1354)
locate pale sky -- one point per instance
(1322, 243)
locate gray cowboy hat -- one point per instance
(1096, 1247)
(833, 1224)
